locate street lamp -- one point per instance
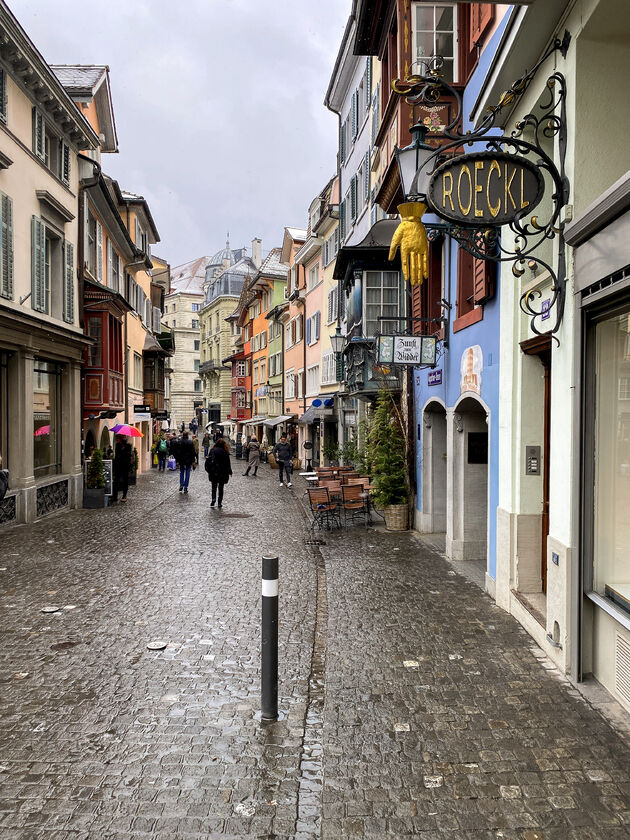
(337, 341)
(412, 160)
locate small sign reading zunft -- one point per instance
(412, 350)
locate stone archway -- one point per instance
(434, 471)
(467, 530)
(90, 444)
(105, 440)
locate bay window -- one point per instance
(435, 33)
(383, 298)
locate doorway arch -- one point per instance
(90, 443)
(434, 469)
(469, 520)
(105, 442)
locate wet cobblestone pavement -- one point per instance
(424, 708)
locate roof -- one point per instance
(91, 81)
(188, 278)
(126, 197)
(272, 266)
(296, 233)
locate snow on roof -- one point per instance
(271, 265)
(75, 77)
(188, 278)
(296, 233)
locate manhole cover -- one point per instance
(50, 609)
(238, 515)
(63, 645)
(314, 542)
(157, 645)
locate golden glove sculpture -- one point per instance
(411, 236)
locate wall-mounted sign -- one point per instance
(485, 188)
(434, 377)
(470, 370)
(407, 350)
(545, 308)
(141, 413)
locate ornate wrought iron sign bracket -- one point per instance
(502, 182)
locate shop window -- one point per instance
(46, 418)
(611, 528)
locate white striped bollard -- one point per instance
(269, 648)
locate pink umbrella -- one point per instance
(124, 429)
(43, 430)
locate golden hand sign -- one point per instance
(411, 236)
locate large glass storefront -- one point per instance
(46, 418)
(611, 457)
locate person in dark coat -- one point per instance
(121, 468)
(283, 454)
(185, 458)
(219, 470)
(253, 455)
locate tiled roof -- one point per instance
(77, 77)
(272, 267)
(189, 277)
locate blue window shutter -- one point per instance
(38, 265)
(342, 221)
(68, 280)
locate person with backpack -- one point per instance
(252, 451)
(162, 454)
(185, 458)
(219, 470)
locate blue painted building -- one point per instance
(456, 404)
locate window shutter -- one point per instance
(339, 372)
(308, 330)
(366, 185)
(318, 317)
(99, 252)
(353, 198)
(330, 305)
(65, 162)
(38, 134)
(481, 16)
(483, 272)
(6, 247)
(355, 115)
(3, 95)
(68, 283)
(342, 304)
(368, 82)
(342, 220)
(375, 120)
(38, 265)
(342, 142)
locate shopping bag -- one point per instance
(171, 463)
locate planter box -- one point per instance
(396, 517)
(94, 498)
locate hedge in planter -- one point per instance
(389, 463)
(94, 490)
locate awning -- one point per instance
(275, 421)
(254, 421)
(314, 414)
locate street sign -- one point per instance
(435, 377)
(485, 188)
(413, 350)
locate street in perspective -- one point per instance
(314, 420)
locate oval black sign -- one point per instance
(485, 188)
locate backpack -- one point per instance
(210, 464)
(163, 448)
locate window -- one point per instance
(195, 324)
(289, 385)
(312, 380)
(313, 276)
(6, 246)
(474, 283)
(52, 276)
(611, 456)
(196, 307)
(332, 305)
(196, 364)
(255, 373)
(300, 384)
(312, 328)
(240, 368)
(46, 418)
(114, 271)
(197, 385)
(197, 344)
(137, 371)
(94, 329)
(263, 371)
(382, 298)
(329, 368)
(434, 33)
(50, 148)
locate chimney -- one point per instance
(257, 252)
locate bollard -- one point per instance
(269, 648)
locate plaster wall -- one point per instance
(355, 153)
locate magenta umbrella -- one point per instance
(43, 430)
(124, 429)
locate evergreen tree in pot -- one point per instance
(94, 490)
(388, 458)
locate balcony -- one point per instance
(212, 367)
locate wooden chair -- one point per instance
(322, 508)
(354, 502)
(348, 475)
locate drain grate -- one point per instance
(314, 542)
(237, 515)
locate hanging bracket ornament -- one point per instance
(501, 182)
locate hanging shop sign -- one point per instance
(485, 188)
(407, 350)
(141, 413)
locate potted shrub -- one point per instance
(388, 458)
(94, 489)
(134, 466)
(331, 452)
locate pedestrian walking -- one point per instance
(284, 458)
(252, 451)
(195, 441)
(162, 454)
(193, 426)
(219, 470)
(205, 442)
(121, 468)
(185, 455)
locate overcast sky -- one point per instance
(218, 105)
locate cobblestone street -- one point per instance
(411, 705)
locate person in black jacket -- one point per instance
(185, 454)
(121, 468)
(283, 454)
(219, 470)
